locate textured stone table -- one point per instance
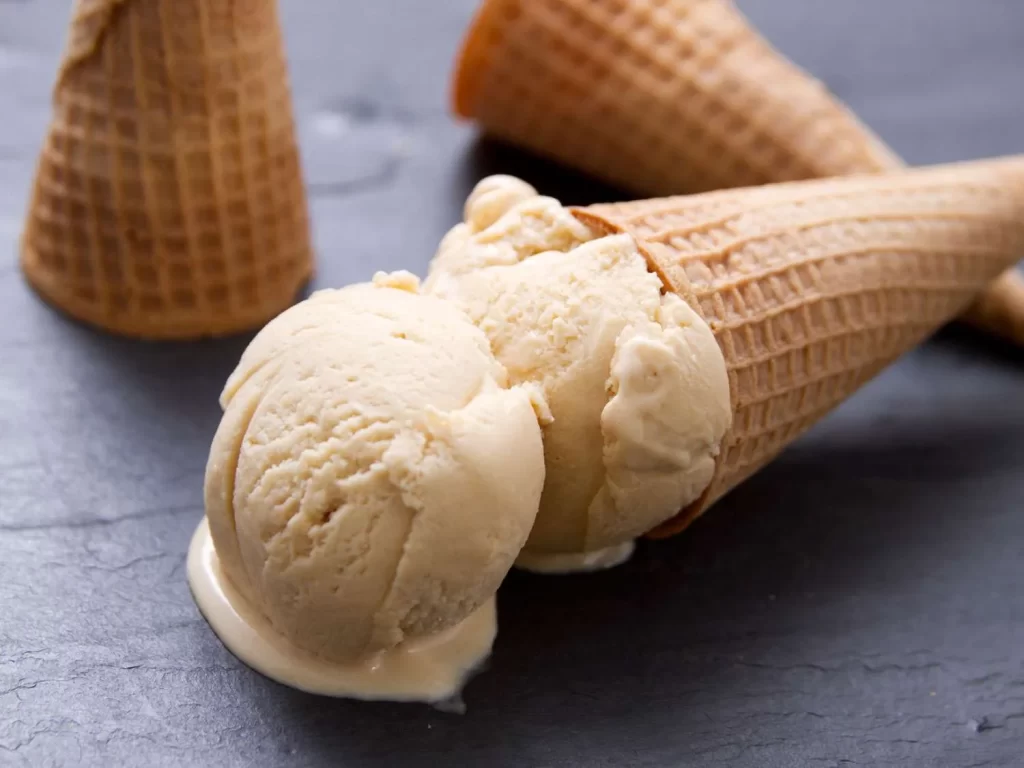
(860, 603)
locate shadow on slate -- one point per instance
(784, 559)
(173, 379)
(174, 376)
(489, 156)
(967, 344)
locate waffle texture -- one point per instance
(813, 288)
(665, 97)
(168, 201)
(659, 97)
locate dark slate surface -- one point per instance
(857, 604)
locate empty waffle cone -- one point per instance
(813, 288)
(664, 97)
(168, 200)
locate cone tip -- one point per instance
(1000, 310)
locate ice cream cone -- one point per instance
(168, 200)
(812, 288)
(667, 97)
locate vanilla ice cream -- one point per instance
(634, 379)
(374, 475)
(489, 237)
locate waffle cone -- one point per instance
(813, 288)
(664, 97)
(168, 200)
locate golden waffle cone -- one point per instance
(168, 201)
(667, 97)
(812, 288)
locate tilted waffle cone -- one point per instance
(666, 97)
(168, 201)
(812, 288)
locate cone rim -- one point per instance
(475, 53)
(679, 285)
(1006, 171)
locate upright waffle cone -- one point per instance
(813, 288)
(168, 201)
(666, 97)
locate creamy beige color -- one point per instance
(432, 669)
(506, 221)
(575, 562)
(635, 381)
(373, 477)
(662, 426)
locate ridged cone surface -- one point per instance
(813, 288)
(168, 200)
(666, 97)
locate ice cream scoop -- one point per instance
(371, 482)
(636, 384)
